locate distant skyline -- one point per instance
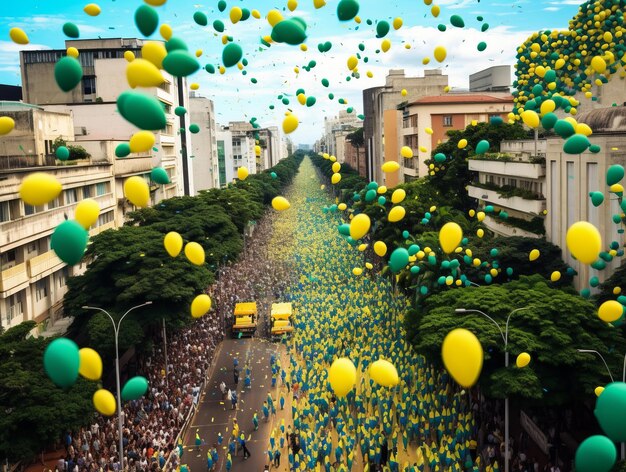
(236, 98)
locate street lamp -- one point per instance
(116, 329)
(591, 351)
(505, 338)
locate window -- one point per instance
(41, 289)
(5, 213)
(15, 306)
(54, 203)
(71, 196)
(89, 85)
(7, 259)
(101, 188)
(28, 209)
(447, 120)
(62, 276)
(105, 218)
(31, 247)
(87, 192)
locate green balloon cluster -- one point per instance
(292, 31)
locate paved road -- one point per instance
(215, 415)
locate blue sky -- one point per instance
(236, 98)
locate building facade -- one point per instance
(493, 79)
(378, 99)
(203, 158)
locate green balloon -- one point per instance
(122, 150)
(273, 175)
(398, 260)
(549, 120)
(175, 43)
(614, 174)
(245, 14)
(442, 27)
(142, 110)
(481, 46)
(482, 147)
(194, 128)
(135, 388)
(347, 10)
(69, 241)
(576, 144)
(159, 175)
(180, 63)
(325, 82)
(180, 111)
(344, 229)
(63, 153)
(611, 411)
(200, 18)
(484, 27)
(146, 19)
(221, 5)
(231, 54)
(218, 25)
(595, 149)
(596, 198)
(289, 31)
(370, 195)
(382, 28)
(310, 101)
(71, 30)
(550, 76)
(457, 21)
(440, 157)
(61, 361)
(564, 129)
(68, 73)
(596, 454)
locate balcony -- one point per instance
(101, 228)
(24, 161)
(132, 165)
(523, 205)
(166, 139)
(508, 230)
(14, 279)
(44, 265)
(525, 170)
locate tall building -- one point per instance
(32, 278)
(440, 113)
(93, 106)
(335, 131)
(513, 180)
(570, 179)
(493, 79)
(204, 145)
(271, 148)
(378, 99)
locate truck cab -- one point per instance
(281, 320)
(245, 319)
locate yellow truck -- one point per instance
(245, 319)
(282, 320)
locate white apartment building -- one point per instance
(335, 131)
(204, 145)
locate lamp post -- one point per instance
(505, 338)
(116, 329)
(591, 351)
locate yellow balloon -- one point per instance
(384, 373)
(87, 212)
(610, 311)
(73, 52)
(480, 232)
(530, 118)
(404, 92)
(598, 64)
(39, 188)
(195, 253)
(598, 391)
(335, 179)
(440, 53)
(242, 173)
(155, 3)
(435, 10)
(357, 271)
(290, 123)
(555, 276)
(450, 236)
(165, 31)
(342, 206)
(582, 128)
(359, 226)
(369, 265)
(480, 216)
(397, 23)
(617, 188)
(584, 242)
(154, 52)
(385, 45)
(92, 9)
(6, 125)
(391, 166)
(143, 73)
(534, 255)
(396, 214)
(522, 360)
(200, 305)
(382, 190)
(173, 243)
(280, 204)
(319, 4)
(380, 248)
(353, 61)
(429, 131)
(462, 144)
(406, 152)
(292, 5)
(257, 151)
(18, 36)
(136, 190)
(462, 356)
(274, 17)
(548, 106)
(256, 14)
(362, 247)
(141, 141)
(336, 167)
(342, 376)
(301, 99)
(236, 14)
(194, 86)
(104, 401)
(129, 56)
(398, 196)
(90, 364)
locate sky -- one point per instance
(236, 98)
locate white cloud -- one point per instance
(551, 9)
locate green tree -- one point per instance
(34, 411)
(555, 324)
(618, 279)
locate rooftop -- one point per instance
(605, 120)
(464, 98)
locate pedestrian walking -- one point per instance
(234, 400)
(198, 440)
(242, 443)
(277, 458)
(223, 388)
(255, 421)
(236, 376)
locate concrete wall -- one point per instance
(392, 151)
(204, 149)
